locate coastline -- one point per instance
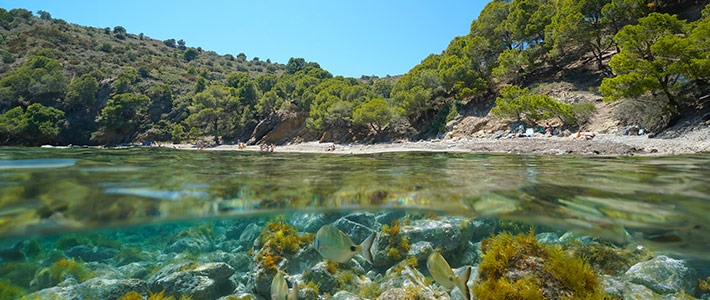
(694, 142)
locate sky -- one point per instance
(348, 38)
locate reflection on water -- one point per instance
(665, 200)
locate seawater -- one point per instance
(126, 217)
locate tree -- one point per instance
(170, 43)
(39, 79)
(241, 56)
(214, 111)
(178, 133)
(44, 15)
(376, 113)
(200, 85)
(81, 93)
(181, 42)
(649, 60)
(191, 54)
(119, 30)
(383, 87)
(120, 120)
(295, 64)
(37, 125)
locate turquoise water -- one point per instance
(660, 203)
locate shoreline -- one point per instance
(602, 145)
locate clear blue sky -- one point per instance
(349, 38)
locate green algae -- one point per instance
(518, 267)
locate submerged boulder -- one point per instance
(89, 254)
(193, 239)
(323, 277)
(205, 281)
(664, 275)
(357, 226)
(95, 288)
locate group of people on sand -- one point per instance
(330, 148)
(204, 145)
(241, 145)
(267, 148)
(550, 130)
(582, 135)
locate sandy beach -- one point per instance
(697, 141)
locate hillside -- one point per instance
(523, 61)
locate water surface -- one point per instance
(663, 200)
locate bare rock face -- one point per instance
(206, 281)
(279, 128)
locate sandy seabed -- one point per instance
(603, 144)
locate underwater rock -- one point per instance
(386, 217)
(549, 238)
(193, 240)
(345, 295)
(240, 262)
(240, 296)
(95, 288)
(405, 275)
(308, 222)
(206, 281)
(322, 277)
(249, 235)
(420, 250)
(139, 269)
(447, 233)
(664, 275)
(571, 237)
(104, 270)
(357, 226)
(89, 254)
(303, 260)
(405, 294)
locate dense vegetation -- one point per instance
(64, 83)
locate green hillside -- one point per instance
(62, 83)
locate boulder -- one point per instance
(345, 295)
(664, 275)
(420, 250)
(193, 240)
(95, 288)
(136, 269)
(357, 226)
(549, 238)
(240, 262)
(205, 281)
(308, 222)
(386, 217)
(240, 296)
(324, 279)
(403, 294)
(249, 235)
(89, 254)
(447, 233)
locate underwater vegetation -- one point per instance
(152, 296)
(61, 269)
(9, 291)
(518, 267)
(704, 285)
(606, 258)
(398, 245)
(277, 240)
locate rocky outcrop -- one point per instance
(664, 275)
(88, 254)
(280, 128)
(95, 288)
(357, 226)
(206, 281)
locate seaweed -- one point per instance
(67, 241)
(704, 285)
(398, 245)
(518, 267)
(9, 291)
(129, 255)
(159, 296)
(19, 273)
(59, 270)
(131, 296)
(606, 258)
(277, 240)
